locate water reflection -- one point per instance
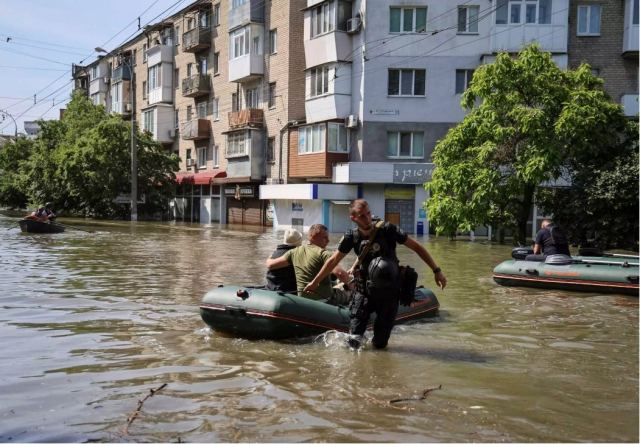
(90, 322)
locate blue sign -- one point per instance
(422, 213)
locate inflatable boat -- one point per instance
(608, 273)
(35, 226)
(256, 313)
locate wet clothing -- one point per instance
(552, 240)
(307, 261)
(282, 279)
(379, 296)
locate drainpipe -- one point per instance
(282, 131)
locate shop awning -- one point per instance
(203, 178)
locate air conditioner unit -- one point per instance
(191, 162)
(353, 25)
(351, 121)
(127, 107)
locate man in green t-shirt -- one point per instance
(307, 260)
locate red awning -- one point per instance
(203, 178)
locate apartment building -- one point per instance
(218, 83)
(604, 34)
(383, 81)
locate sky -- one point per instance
(41, 39)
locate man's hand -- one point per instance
(311, 287)
(441, 279)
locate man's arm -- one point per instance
(341, 273)
(439, 276)
(537, 249)
(279, 262)
(326, 269)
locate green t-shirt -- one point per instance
(307, 260)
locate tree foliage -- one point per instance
(529, 123)
(82, 162)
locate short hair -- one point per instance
(315, 229)
(357, 203)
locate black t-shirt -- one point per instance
(282, 279)
(388, 236)
(553, 241)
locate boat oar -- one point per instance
(625, 256)
(595, 261)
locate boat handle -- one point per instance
(235, 311)
(531, 271)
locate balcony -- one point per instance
(198, 85)
(246, 68)
(331, 47)
(195, 129)
(122, 72)
(159, 54)
(197, 39)
(246, 118)
(250, 12)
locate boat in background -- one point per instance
(36, 226)
(608, 273)
(256, 313)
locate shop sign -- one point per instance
(414, 173)
(239, 192)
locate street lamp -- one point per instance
(5, 113)
(134, 152)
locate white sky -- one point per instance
(47, 36)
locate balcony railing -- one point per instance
(196, 39)
(198, 85)
(252, 117)
(122, 72)
(195, 129)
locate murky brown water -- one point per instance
(90, 322)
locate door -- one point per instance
(205, 211)
(393, 218)
(401, 213)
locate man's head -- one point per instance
(292, 237)
(360, 213)
(546, 223)
(318, 235)
(48, 205)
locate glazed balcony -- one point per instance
(246, 118)
(196, 129)
(252, 11)
(122, 72)
(195, 86)
(196, 39)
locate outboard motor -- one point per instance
(558, 259)
(383, 274)
(521, 253)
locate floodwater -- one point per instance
(91, 322)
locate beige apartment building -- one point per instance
(219, 83)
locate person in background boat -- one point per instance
(550, 240)
(44, 214)
(284, 279)
(377, 282)
(307, 260)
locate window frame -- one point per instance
(312, 139)
(414, 18)
(148, 121)
(319, 80)
(588, 32)
(342, 141)
(468, 22)
(468, 75)
(271, 101)
(215, 15)
(399, 134)
(273, 41)
(400, 86)
(234, 140)
(201, 155)
(240, 40)
(154, 76)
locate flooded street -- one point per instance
(90, 322)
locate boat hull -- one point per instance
(34, 226)
(597, 275)
(265, 314)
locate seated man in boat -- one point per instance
(550, 240)
(44, 214)
(307, 260)
(284, 279)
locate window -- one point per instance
(256, 47)
(215, 16)
(319, 81)
(589, 19)
(463, 79)
(201, 109)
(177, 33)
(523, 11)
(237, 3)
(204, 19)
(189, 69)
(323, 18)
(189, 112)
(144, 89)
(216, 109)
(235, 104)
(202, 157)
(148, 121)
(202, 65)
(468, 19)
(176, 78)
(176, 119)
(190, 23)
(135, 57)
(514, 11)
(272, 95)
(216, 155)
(237, 144)
(188, 153)
(406, 82)
(251, 98)
(408, 20)
(311, 138)
(337, 140)
(216, 63)
(144, 52)
(405, 144)
(271, 143)
(636, 14)
(154, 77)
(94, 72)
(273, 41)
(239, 43)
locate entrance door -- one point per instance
(402, 211)
(205, 210)
(393, 218)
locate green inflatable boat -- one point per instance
(598, 274)
(256, 313)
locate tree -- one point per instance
(12, 156)
(529, 122)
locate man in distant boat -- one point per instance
(550, 239)
(377, 280)
(44, 214)
(307, 260)
(284, 279)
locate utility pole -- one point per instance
(134, 151)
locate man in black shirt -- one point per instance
(284, 279)
(550, 240)
(377, 281)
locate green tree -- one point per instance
(12, 157)
(528, 123)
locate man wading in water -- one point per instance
(377, 281)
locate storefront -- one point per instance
(243, 206)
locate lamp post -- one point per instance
(5, 113)
(134, 152)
